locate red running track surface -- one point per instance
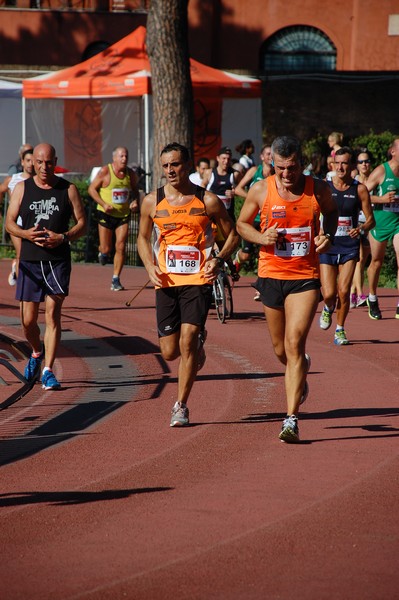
(101, 499)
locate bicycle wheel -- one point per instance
(228, 292)
(220, 298)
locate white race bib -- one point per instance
(182, 259)
(344, 226)
(392, 206)
(120, 195)
(294, 241)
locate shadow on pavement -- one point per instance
(75, 497)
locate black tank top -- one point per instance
(349, 207)
(219, 184)
(47, 208)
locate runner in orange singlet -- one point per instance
(288, 268)
(180, 265)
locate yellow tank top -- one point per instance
(183, 240)
(294, 255)
(117, 194)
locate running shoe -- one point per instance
(12, 278)
(236, 263)
(289, 431)
(32, 369)
(397, 313)
(374, 309)
(49, 381)
(361, 301)
(102, 258)
(353, 301)
(179, 416)
(325, 318)
(340, 338)
(305, 392)
(116, 285)
(201, 351)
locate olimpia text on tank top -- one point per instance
(46, 208)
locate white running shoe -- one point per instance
(12, 278)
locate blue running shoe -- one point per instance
(49, 381)
(116, 285)
(340, 338)
(32, 369)
(102, 258)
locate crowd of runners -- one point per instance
(313, 236)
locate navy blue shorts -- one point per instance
(273, 292)
(182, 304)
(338, 259)
(39, 279)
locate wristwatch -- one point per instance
(65, 237)
(220, 260)
(329, 237)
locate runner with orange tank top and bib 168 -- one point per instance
(175, 243)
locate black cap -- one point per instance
(225, 150)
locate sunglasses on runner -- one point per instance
(360, 162)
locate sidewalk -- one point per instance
(101, 499)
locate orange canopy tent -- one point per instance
(87, 109)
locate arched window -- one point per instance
(298, 49)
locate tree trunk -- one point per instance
(167, 48)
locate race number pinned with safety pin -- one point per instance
(294, 241)
(183, 259)
(344, 226)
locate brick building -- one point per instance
(324, 67)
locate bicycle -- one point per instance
(223, 291)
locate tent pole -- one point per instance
(146, 145)
(23, 120)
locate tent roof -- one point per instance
(9, 89)
(123, 69)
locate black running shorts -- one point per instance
(110, 222)
(182, 304)
(273, 292)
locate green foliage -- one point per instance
(86, 246)
(377, 143)
(316, 145)
(389, 269)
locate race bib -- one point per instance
(183, 259)
(392, 206)
(293, 241)
(120, 195)
(344, 226)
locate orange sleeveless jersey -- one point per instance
(183, 241)
(294, 254)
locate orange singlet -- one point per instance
(293, 256)
(183, 240)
